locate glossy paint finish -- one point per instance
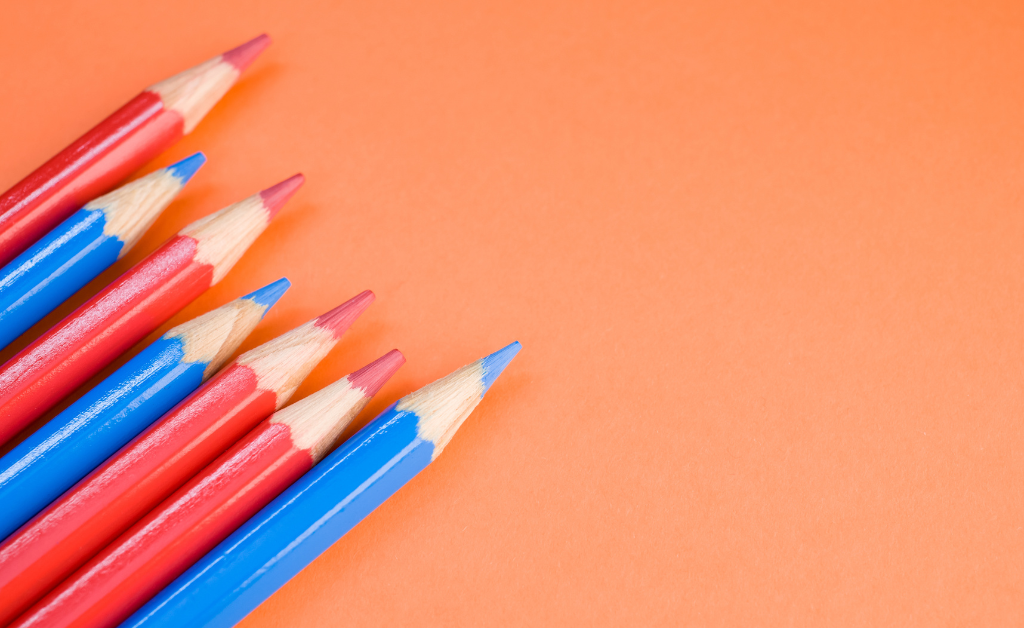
(114, 496)
(210, 506)
(96, 162)
(92, 165)
(163, 457)
(34, 472)
(51, 460)
(307, 518)
(24, 300)
(132, 306)
(64, 260)
(97, 332)
(176, 533)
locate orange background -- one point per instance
(765, 260)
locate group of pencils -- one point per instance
(182, 490)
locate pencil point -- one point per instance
(341, 318)
(187, 167)
(371, 377)
(243, 56)
(268, 295)
(276, 196)
(495, 363)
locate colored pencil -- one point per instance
(209, 507)
(93, 428)
(132, 306)
(310, 515)
(144, 472)
(133, 135)
(83, 246)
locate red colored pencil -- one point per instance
(200, 514)
(144, 472)
(134, 134)
(132, 306)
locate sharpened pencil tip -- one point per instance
(269, 294)
(371, 377)
(495, 363)
(243, 56)
(276, 196)
(341, 318)
(187, 167)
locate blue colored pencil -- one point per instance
(325, 503)
(67, 448)
(83, 246)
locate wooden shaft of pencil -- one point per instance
(138, 477)
(211, 505)
(132, 306)
(291, 531)
(133, 135)
(76, 251)
(73, 443)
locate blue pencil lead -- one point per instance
(268, 295)
(495, 363)
(187, 167)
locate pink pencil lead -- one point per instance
(243, 56)
(371, 377)
(276, 196)
(341, 318)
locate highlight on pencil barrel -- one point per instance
(325, 503)
(83, 246)
(133, 135)
(73, 443)
(210, 506)
(132, 306)
(144, 472)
